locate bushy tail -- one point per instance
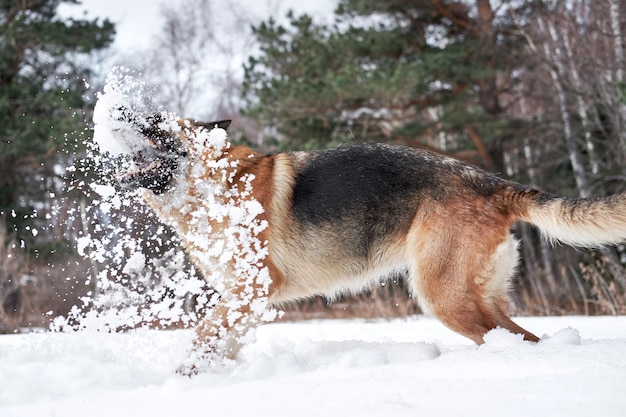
(577, 221)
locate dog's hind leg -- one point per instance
(461, 277)
(494, 285)
(504, 321)
(451, 298)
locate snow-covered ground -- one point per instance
(408, 367)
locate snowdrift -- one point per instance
(403, 367)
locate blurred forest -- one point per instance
(532, 90)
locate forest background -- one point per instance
(532, 90)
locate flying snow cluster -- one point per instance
(143, 278)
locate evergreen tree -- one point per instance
(400, 71)
(43, 73)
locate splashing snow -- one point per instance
(143, 276)
(122, 90)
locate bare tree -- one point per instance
(194, 66)
(180, 53)
(578, 55)
(11, 269)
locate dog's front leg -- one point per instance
(229, 324)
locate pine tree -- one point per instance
(43, 73)
(400, 71)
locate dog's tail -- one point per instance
(575, 221)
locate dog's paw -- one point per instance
(188, 370)
(200, 361)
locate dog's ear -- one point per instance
(222, 124)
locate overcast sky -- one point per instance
(138, 21)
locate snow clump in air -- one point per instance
(117, 94)
(141, 275)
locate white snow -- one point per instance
(135, 263)
(105, 122)
(405, 367)
(122, 90)
(105, 191)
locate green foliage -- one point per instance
(378, 74)
(43, 73)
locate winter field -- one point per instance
(405, 367)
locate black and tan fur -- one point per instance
(341, 218)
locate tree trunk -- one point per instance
(556, 72)
(546, 254)
(582, 106)
(618, 43)
(488, 95)
(618, 48)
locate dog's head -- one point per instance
(149, 149)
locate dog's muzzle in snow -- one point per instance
(155, 157)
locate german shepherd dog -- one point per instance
(333, 221)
